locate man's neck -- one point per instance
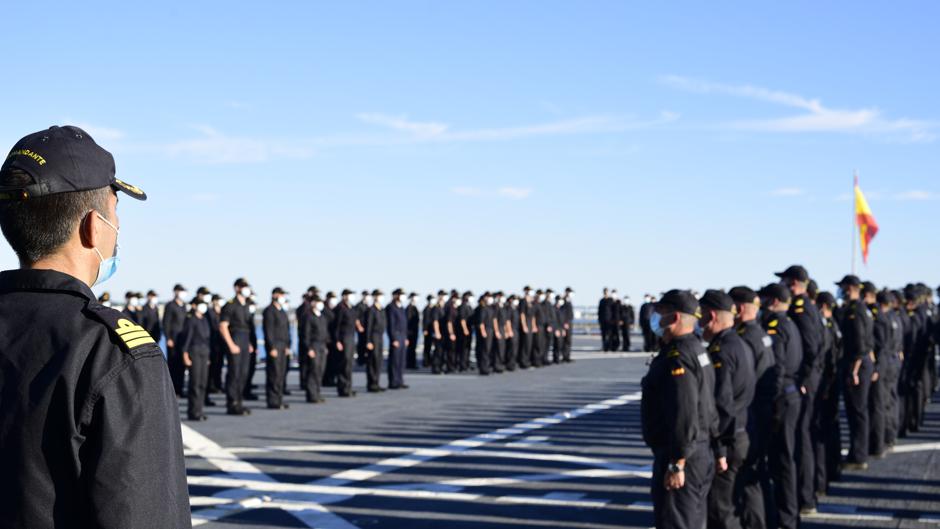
(61, 263)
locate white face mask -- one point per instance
(412, 301)
(182, 294)
(245, 292)
(570, 298)
(380, 300)
(134, 302)
(332, 302)
(351, 299)
(457, 303)
(499, 301)
(318, 306)
(367, 300)
(488, 301)
(152, 302)
(252, 308)
(551, 298)
(515, 303)
(202, 308)
(284, 303)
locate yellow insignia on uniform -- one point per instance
(678, 372)
(773, 323)
(714, 349)
(674, 353)
(772, 332)
(798, 311)
(717, 365)
(132, 334)
(799, 302)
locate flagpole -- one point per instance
(854, 218)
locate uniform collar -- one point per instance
(25, 279)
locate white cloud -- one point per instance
(99, 133)
(517, 193)
(214, 147)
(917, 195)
(816, 118)
(787, 192)
(402, 124)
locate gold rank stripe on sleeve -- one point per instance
(678, 372)
(133, 335)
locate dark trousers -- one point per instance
(649, 340)
(806, 447)
(463, 351)
(498, 354)
(198, 379)
(605, 336)
(396, 365)
(566, 346)
(274, 367)
(877, 416)
(252, 360)
(174, 362)
(782, 460)
(545, 341)
(558, 344)
(237, 374)
(726, 497)
(856, 410)
(892, 410)
(683, 508)
(374, 365)
(314, 372)
(329, 370)
(361, 341)
(411, 360)
(757, 491)
(344, 365)
(428, 349)
(512, 352)
(625, 332)
(828, 436)
(614, 330)
(450, 354)
(303, 361)
(525, 350)
(216, 359)
(437, 355)
(484, 345)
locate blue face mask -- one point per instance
(655, 320)
(107, 267)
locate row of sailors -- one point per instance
(754, 414)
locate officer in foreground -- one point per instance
(89, 425)
(678, 414)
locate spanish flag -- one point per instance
(867, 226)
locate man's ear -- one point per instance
(86, 230)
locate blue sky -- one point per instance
(492, 144)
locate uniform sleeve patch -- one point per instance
(717, 365)
(772, 332)
(799, 302)
(678, 372)
(799, 311)
(767, 341)
(132, 334)
(704, 360)
(773, 323)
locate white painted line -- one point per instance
(580, 504)
(920, 447)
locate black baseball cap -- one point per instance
(241, 282)
(680, 301)
(62, 160)
(796, 272)
(868, 286)
(775, 291)
(743, 294)
(849, 280)
(398, 292)
(716, 300)
(278, 290)
(826, 298)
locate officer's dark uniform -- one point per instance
(627, 319)
(807, 319)
(240, 323)
(604, 317)
(512, 343)
(150, 321)
(788, 356)
(525, 336)
(332, 355)
(95, 389)
(546, 330)
(397, 332)
(301, 313)
(414, 330)
(345, 334)
(679, 421)
(448, 322)
(734, 391)
(883, 339)
(361, 310)
(892, 372)
(276, 327)
(174, 317)
(196, 341)
(857, 340)
(483, 327)
(498, 354)
(829, 442)
(427, 327)
(464, 338)
(649, 339)
(316, 337)
(216, 351)
(375, 331)
(436, 314)
(89, 424)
